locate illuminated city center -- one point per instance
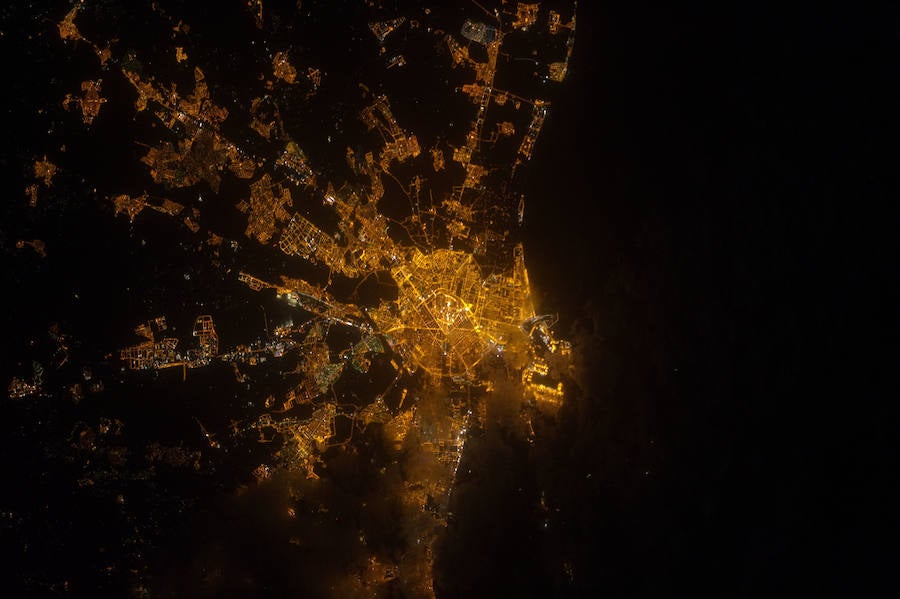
(433, 218)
